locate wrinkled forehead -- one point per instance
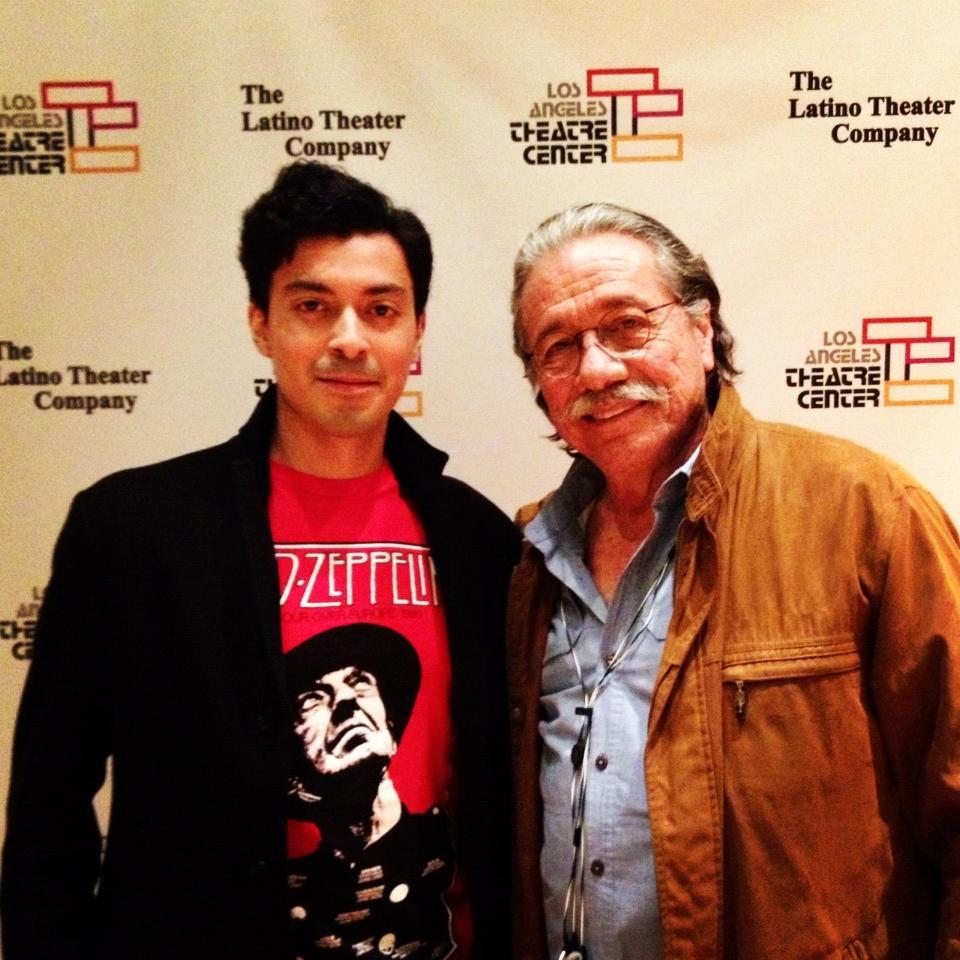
(589, 276)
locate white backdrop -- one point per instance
(760, 136)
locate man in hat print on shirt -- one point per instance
(375, 883)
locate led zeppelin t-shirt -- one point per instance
(370, 863)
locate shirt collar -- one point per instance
(560, 524)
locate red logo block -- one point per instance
(912, 339)
(91, 107)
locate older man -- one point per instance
(735, 645)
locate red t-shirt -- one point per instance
(368, 667)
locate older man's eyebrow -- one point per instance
(612, 302)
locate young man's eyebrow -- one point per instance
(312, 285)
(315, 286)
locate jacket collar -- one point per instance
(720, 454)
(415, 462)
(254, 437)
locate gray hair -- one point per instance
(687, 274)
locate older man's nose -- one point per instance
(598, 368)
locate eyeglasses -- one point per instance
(558, 353)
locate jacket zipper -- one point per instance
(740, 700)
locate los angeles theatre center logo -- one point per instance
(69, 128)
(895, 362)
(614, 116)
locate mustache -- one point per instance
(593, 400)
(333, 366)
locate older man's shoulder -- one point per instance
(803, 449)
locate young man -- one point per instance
(176, 589)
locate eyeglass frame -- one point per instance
(615, 354)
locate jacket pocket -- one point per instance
(807, 798)
(744, 671)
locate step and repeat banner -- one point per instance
(809, 150)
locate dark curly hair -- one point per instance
(311, 199)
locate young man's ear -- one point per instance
(421, 326)
(259, 329)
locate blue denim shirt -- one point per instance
(620, 887)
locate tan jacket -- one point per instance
(819, 587)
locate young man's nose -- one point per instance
(347, 337)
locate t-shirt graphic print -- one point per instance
(371, 867)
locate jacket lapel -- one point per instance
(250, 476)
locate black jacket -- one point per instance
(159, 645)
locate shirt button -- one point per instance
(602, 762)
(597, 868)
(399, 893)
